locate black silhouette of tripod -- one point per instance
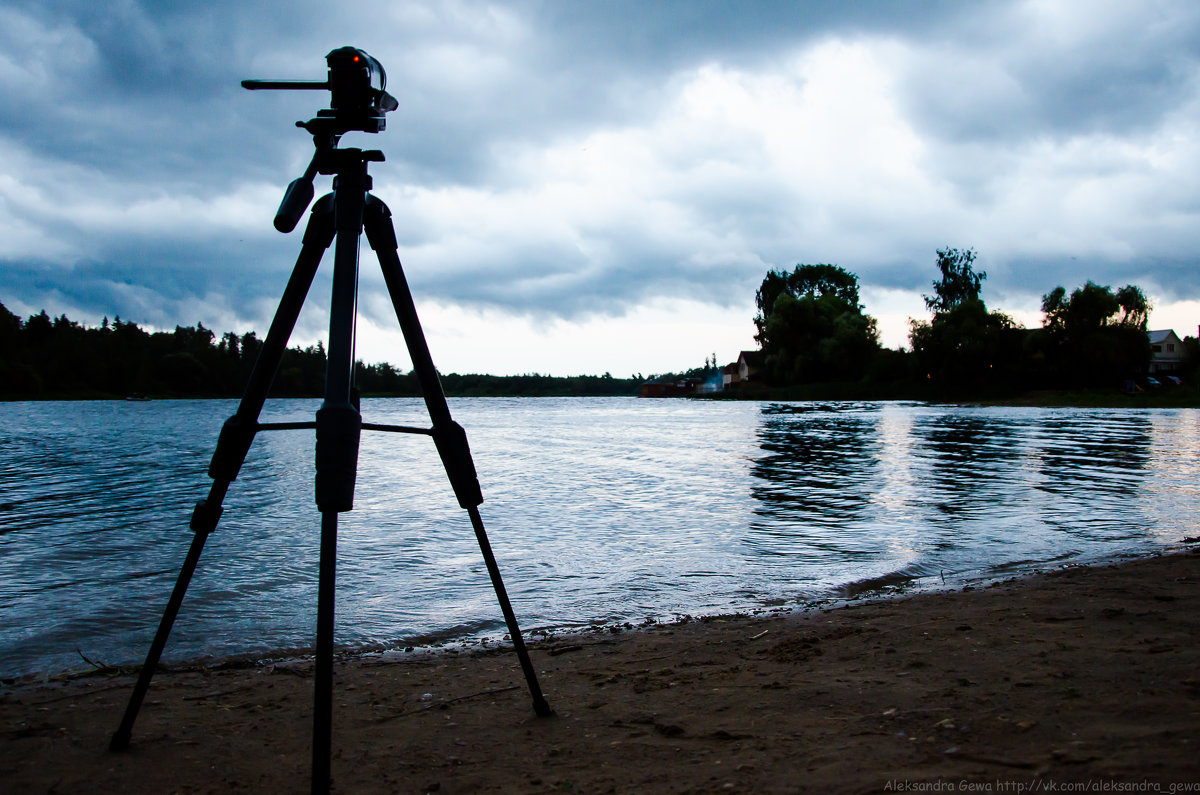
(342, 215)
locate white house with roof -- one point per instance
(1166, 351)
(749, 364)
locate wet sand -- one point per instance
(1083, 675)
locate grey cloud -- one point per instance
(155, 283)
(561, 281)
(144, 98)
(665, 36)
(1009, 77)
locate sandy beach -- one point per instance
(1082, 676)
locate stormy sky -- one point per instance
(588, 187)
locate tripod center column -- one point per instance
(338, 421)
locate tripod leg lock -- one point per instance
(451, 441)
(320, 231)
(232, 446)
(338, 431)
(205, 516)
(377, 221)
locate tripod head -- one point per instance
(358, 84)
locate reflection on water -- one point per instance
(1099, 458)
(969, 458)
(912, 491)
(818, 466)
(606, 509)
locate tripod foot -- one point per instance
(119, 741)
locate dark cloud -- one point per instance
(1013, 74)
(639, 38)
(557, 159)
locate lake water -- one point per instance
(599, 510)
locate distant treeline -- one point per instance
(814, 335)
(47, 358)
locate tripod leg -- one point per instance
(450, 438)
(233, 444)
(540, 707)
(120, 739)
(322, 744)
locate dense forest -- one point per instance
(46, 357)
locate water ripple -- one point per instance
(598, 510)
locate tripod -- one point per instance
(342, 214)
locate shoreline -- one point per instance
(1181, 397)
(1081, 674)
(884, 588)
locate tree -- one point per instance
(967, 348)
(964, 347)
(1095, 337)
(1135, 305)
(959, 283)
(10, 330)
(811, 326)
(806, 280)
